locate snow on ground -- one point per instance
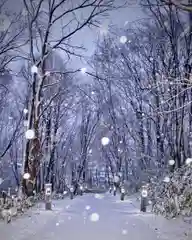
(168, 229)
(93, 216)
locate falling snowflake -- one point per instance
(166, 179)
(171, 162)
(24, 12)
(25, 111)
(87, 207)
(4, 22)
(104, 28)
(94, 217)
(123, 39)
(188, 161)
(116, 179)
(124, 231)
(83, 70)
(105, 141)
(34, 69)
(30, 134)
(26, 176)
(57, 224)
(67, 207)
(99, 196)
(47, 73)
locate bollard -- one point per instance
(48, 196)
(144, 195)
(122, 194)
(114, 191)
(71, 192)
(4, 196)
(81, 190)
(9, 192)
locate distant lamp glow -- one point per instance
(26, 176)
(171, 162)
(30, 134)
(34, 69)
(105, 141)
(123, 39)
(83, 70)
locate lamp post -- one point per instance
(144, 194)
(48, 196)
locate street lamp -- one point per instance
(144, 194)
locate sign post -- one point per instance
(48, 196)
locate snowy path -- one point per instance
(71, 220)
